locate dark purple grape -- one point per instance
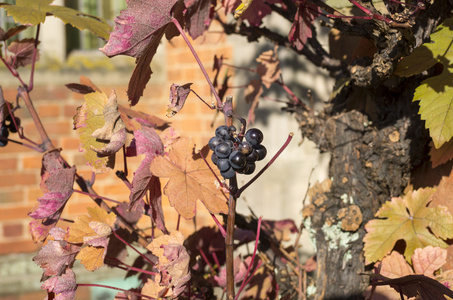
(237, 160)
(12, 128)
(214, 158)
(250, 168)
(245, 147)
(223, 164)
(213, 142)
(228, 174)
(223, 132)
(253, 156)
(261, 151)
(254, 136)
(223, 150)
(4, 133)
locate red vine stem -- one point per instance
(132, 247)
(97, 196)
(202, 68)
(246, 278)
(288, 140)
(114, 288)
(35, 52)
(128, 267)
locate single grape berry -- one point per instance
(250, 168)
(223, 164)
(228, 174)
(4, 133)
(223, 132)
(213, 142)
(245, 147)
(254, 136)
(261, 150)
(237, 160)
(223, 150)
(12, 127)
(214, 158)
(253, 156)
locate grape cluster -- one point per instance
(232, 155)
(6, 128)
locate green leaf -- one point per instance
(33, 12)
(435, 93)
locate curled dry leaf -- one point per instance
(178, 96)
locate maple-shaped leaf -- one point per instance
(436, 93)
(198, 16)
(99, 126)
(64, 286)
(178, 96)
(86, 229)
(300, 31)
(23, 53)
(269, 67)
(409, 219)
(428, 260)
(138, 31)
(33, 12)
(92, 257)
(57, 255)
(190, 179)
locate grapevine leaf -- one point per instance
(428, 260)
(137, 33)
(56, 255)
(415, 285)
(11, 32)
(92, 257)
(80, 88)
(252, 11)
(173, 264)
(197, 17)
(90, 119)
(33, 12)
(23, 53)
(421, 59)
(190, 179)
(269, 67)
(85, 228)
(407, 219)
(300, 31)
(141, 118)
(239, 270)
(64, 286)
(441, 155)
(178, 96)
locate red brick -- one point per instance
(8, 163)
(18, 179)
(13, 230)
(19, 247)
(10, 196)
(48, 92)
(32, 162)
(49, 110)
(70, 110)
(33, 193)
(70, 143)
(17, 212)
(60, 127)
(14, 148)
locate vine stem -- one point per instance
(132, 247)
(114, 288)
(128, 267)
(97, 196)
(202, 68)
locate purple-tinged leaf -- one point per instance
(138, 31)
(49, 204)
(198, 16)
(23, 53)
(178, 96)
(155, 210)
(64, 286)
(11, 32)
(300, 31)
(55, 256)
(116, 142)
(80, 88)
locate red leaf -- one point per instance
(64, 286)
(55, 256)
(197, 17)
(300, 31)
(138, 31)
(23, 51)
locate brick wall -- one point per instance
(20, 166)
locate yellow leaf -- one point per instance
(409, 219)
(99, 223)
(242, 8)
(92, 257)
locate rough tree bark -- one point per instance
(373, 132)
